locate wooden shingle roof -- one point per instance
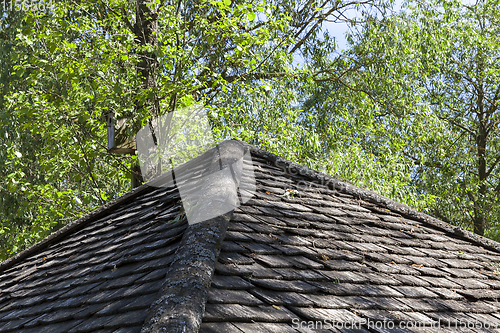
(305, 250)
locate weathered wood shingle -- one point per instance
(305, 248)
(349, 259)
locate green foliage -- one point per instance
(330, 128)
(434, 68)
(63, 69)
(410, 110)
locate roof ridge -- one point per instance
(376, 198)
(180, 304)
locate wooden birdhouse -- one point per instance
(119, 142)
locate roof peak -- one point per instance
(178, 308)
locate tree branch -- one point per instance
(318, 22)
(126, 21)
(492, 167)
(451, 121)
(418, 162)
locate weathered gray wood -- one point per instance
(181, 303)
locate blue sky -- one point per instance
(338, 30)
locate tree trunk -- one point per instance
(146, 31)
(479, 219)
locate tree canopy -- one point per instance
(409, 109)
(435, 68)
(68, 66)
